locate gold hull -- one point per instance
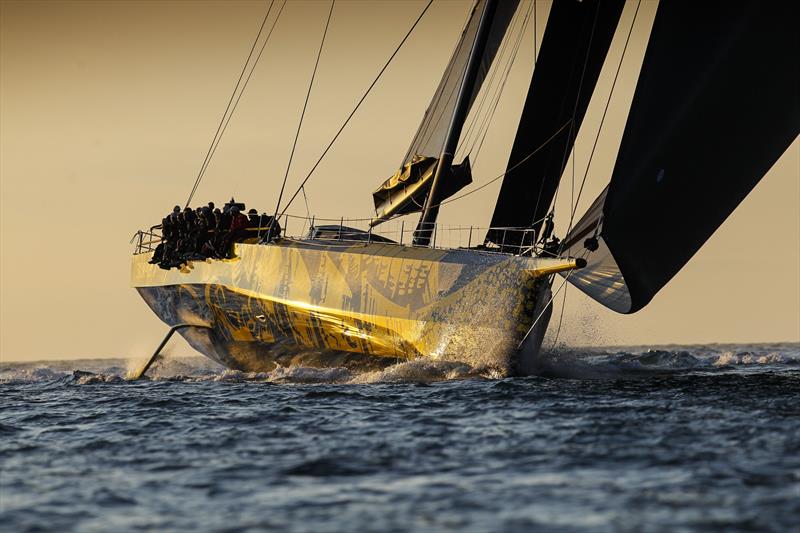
(366, 305)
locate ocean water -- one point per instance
(679, 438)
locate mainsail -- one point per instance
(716, 104)
(430, 136)
(427, 144)
(406, 190)
(574, 48)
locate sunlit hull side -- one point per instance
(365, 305)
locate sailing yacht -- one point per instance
(716, 104)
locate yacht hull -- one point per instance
(364, 305)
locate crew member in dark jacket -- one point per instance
(255, 220)
(239, 223)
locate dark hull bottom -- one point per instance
(181, 304)
(241, 333)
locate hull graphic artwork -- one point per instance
(340, 305)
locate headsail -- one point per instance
(716, 104)
(574, 48)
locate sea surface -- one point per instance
(675, 438)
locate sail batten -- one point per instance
(717, 103)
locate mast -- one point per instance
(422, 235)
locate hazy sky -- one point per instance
(107, 109)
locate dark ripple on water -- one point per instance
(687, 438)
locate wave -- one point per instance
(580, 364)
(748, 359)
(564, 362)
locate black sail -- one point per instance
(716, 104)
(574, 48)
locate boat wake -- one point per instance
(563, 363)
(643, 363)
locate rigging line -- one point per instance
(488, 116)
(508, 170)
(602, 119)
(424, 132)
(437, 95)
(560, 318)
(305, 199)
(558, 185)
(431, 126)
(456, 89)
(230, 101)
(494, 69)
(535, 62)
(503, 66)
(241, 93)
(488, 119)
(553, 297)
(434, 125)
(573, 134)
(303, 113)
(572, 181)
(353, 112)
(535, 53)
(436, 122)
